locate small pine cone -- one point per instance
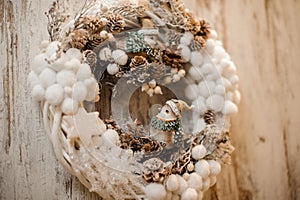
(94, 40)
(209, 117)
(172, 59)
(138, 61)
(157, 70)
(79, 38)
(204, 29)
(195, 45)
(92, 23)
(200, 40)
(90, 58)
(155, 54)
(116, 23)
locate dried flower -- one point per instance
(116, 23)
(79, 38)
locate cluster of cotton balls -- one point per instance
(63, 80)
(213, 79)
(192, 184)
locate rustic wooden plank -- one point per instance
(262, 38)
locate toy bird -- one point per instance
(166, 126)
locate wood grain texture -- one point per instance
(263, 39)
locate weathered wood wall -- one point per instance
(262, 38)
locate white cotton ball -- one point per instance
(39, 63)
(212, 180)
(210, 46)
(120, 57)
(229, 71)
(59, 64)
(110, 138)
(152, 84)
(183, 185)
(181, 73)
(93, 90)
(185, 52)
(205, 184)
(186, 38)
(196, 58)
(219, 43)
(38, 92)
(65, 78)
(47, 77)
(215, 167)
(33, 79)
(198, 152)
(54, 94)
(225, 63)
(195, 73)
(213, 34)
(219, 53)
(224, 82)
(207, 68)
(105, 54)
(189, 194)
(89, 82)
(172, 183)
(237, 97)
(79, 91)
(103, 34)
(191, 91)
(215, 102)
(75, 64)
(112, 68)
(202, 168)
(199, 105)
(195, 181)
(52, 48)
(68, 91)
(176, 78)
(84, 72)
(74, 53)
(203, 89)
(155, 191)
(69, 106)
(229, 96)
(229, 108)
(234, 79)
(220, 89)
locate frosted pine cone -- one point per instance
(138, 71)
(90, 58)
(116, 23)
(92, 23)
(157, 70)
(79, 38)
(154, 170)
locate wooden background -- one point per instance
(263, 39)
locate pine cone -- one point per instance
(209, 117)
(92, 23)
(94, 40)
(154, 170)
(200, 40)
(172, 59)
(90, 58)
(116, 23)
(157, 70)
(204, 29)
(79, 38)
(197, 45)
(138, 61)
